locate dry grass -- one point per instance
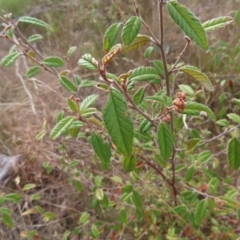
(23, 112)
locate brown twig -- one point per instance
(180, 56)
(158, 170)
(201, 143)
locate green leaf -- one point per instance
(144, 74)
(138, 96)
(131, 29)
(73, 105)
(158, 65)
(192, 143)
(234, 153)
(193, 108)
(188, 22)
(53, 61)
(87, 83)
(123, 216)
(66, 235)
(200, 212)
(110, 36)
(48, 216)
(127, 189)
(222, 122)
(102, 150)
(60, 116)
(129, 163)
(189, 174)
(117, 179)
(187, 89)
(148, 52)
(78, 185)
(138, 42)
(235, 117)
(12, 49)
(99, 194)
(29, 186)
(34, 21)
(7, 220)
(198, 75)
(13, 197)
(118, 123)
(105, 201)
(35, 37)
(67, 84)
(40, 135)
(88, 101)
(10, 59)
(229, 202)
(94, 232)
(137, 200)
(87, 62)
(235, 100)
(217, 23)
(145, 125)
(84, 218)
(159, 160)
(88, 112)
(61, 127)
(10, 32)
(33, 71)
(165, 140)
(76, 124)
(180, 167)
(71, 50)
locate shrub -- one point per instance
(152, 129)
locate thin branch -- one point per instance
(119, 10)
(155, 40)
(33, 59)
(25, 87)
(180, 55)
(153, 166)
(135, 107)
(211, 139)
(25, 41)
(164, 58)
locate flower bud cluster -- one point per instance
(179, 103)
